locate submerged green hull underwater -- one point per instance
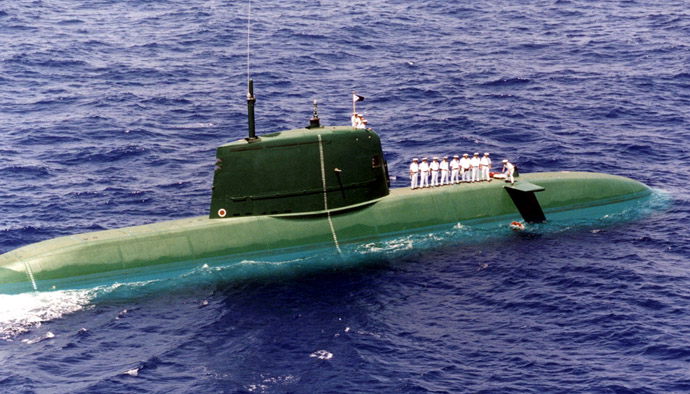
(66, 262)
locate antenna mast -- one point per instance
(249, 22)
(250, 84)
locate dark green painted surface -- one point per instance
(284, 172)
(525, 187)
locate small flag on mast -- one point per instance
(355, 98)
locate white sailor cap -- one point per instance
(445, 157)
(435, 158)
(505, 160)
(415, 159)
(476, 153)
(456, 156)
(464, 154)
(486, 153)
(423, 158)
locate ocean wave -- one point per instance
(507, 82)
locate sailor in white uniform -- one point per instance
(454, 170)
(358, 121)
(444, 170)
(465, 168)
(434, 172)
(485, 165)
(414, 172)
(362, 122)
(509, 169)
(474, 163)
(355, 120)
(424, 173)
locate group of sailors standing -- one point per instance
(470, 170)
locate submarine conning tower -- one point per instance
(312, 169)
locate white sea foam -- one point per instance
(391, 245)
(133, 372)
(31, 341)
(322, 355)
(373, 334)
(274, 262)
(256, 387)
(199, 125)
(20, 313)
(121, 314)
(268, 382)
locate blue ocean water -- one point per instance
(110, 113)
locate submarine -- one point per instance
(332, 189)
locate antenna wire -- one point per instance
(249, 22)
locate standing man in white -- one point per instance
(455, 170)
(474, 163)
(465, 168)
(414, 169)
(509, 169)
(434, 172)
(424, 173)
(485, 165)
(444, 171)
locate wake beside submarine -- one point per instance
(333, 188)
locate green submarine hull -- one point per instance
(307, 190)
(62, 262)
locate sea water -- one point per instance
(110, 113)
